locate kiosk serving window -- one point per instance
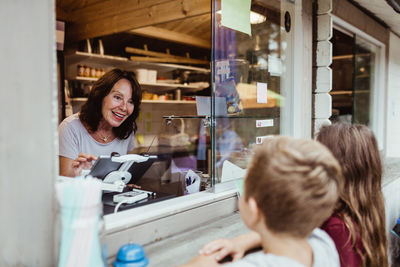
(216, 82)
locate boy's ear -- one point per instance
(254, 211)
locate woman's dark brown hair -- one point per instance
(361, 204)
(90, 113)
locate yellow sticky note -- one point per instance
(140, 117)
(148, 115)
(148, 126)
(236, 15)
(140, 139)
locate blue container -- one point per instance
(396, 228)
(131, 255)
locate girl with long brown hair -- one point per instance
(358, 223)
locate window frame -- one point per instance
(378, 96)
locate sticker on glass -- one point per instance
(264, 123)
(274, 66)
(222, 67)
(260, 139)
(262, 93)
(235, 14)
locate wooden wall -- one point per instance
(98, 18)
(353, 15)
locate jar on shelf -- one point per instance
(93, 72)
(87, 71)
(177, 94)
(163, 97)
(98, 73)
(147, 96)
(80, 70)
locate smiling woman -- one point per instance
(105, 124)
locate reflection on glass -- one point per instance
(353, 72)
(342, 76)
(247, 73)
(364, 69)
(229, 143)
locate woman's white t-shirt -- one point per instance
(75, 139)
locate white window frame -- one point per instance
(379, 92)
(297, 83)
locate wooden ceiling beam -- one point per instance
(136, 17)
(144, 52)
(181, 60)
(61, 14)
(69, 7)
(168, 35)
(109, 8)
(160, 55)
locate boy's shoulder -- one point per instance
(264, 259)
(324, 250)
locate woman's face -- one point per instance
(118, 104)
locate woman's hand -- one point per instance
(72, 168)
(83, 161)
(235, 247)
(133, 186)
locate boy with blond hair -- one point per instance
(291, 188)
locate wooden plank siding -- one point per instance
(108, 17)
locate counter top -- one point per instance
(179, 249)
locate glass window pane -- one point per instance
(247, 76)
(364, 78)
(353, 69)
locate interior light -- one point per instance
(255, 18)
